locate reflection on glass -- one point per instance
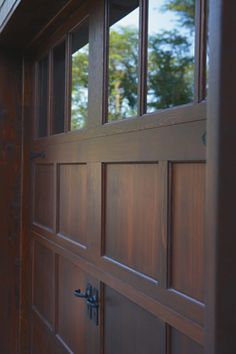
(123, 59)
(59, 62)
(42, 107)
(80, 66)
(171, 37)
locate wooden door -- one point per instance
(116, 205)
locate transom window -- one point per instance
(154, 59)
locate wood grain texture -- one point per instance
(132, 216)
(74, 329)
(179, 344)
(43, 195)
(130, 329)
(72, 218)
(44, 340)
(187, 228)
(43, 293)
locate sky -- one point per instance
(157, 19)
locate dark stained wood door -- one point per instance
(119, 206)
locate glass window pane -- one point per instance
(58, 101)
(123, 59)
(171, 42)
(80, 67)
(42, 107)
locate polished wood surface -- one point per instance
(43, 295)
(187, 229)
(130, 329)
(43, 194)
(132, 216)
(72, 218)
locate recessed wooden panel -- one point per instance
(43, 340)
(132, 231)
(72, 311)
(129, 329)
(43, 294)
(43, 200)
(72, 202)
(180, 344)
(187, 225)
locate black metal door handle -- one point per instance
(92, 301)
(37, 155)
(81, 294)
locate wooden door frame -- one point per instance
(221, 191)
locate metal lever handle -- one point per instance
(36, 155)
(92, 304)
(82, 295)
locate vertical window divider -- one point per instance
(50, 89)
(105, 61)
(36, 101)
(200, 51)
(68, 78)
(197, 55)
(143, 52)
(203, 44)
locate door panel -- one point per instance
(132, 232)
(72, 179)
(43, 194)
(179, 343)
(130, 329)
(119, 206)
(187, 228)
(43, 296)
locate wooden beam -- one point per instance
(221, 185)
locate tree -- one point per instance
(185, 9)
(170, 68)
(123, 73)
(79, 93)
(170, 71)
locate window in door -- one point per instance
(79, 76)
(58, 88)
(123, 59)
(42, 97)
(156, 56)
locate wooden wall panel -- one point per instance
(72, 202)
(180, 344)
(43, 292)
(187, 228)
(129, 329)
(72, 311)
(43, 195)
(132, 216)
(43, 339)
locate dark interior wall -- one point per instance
(10, 182)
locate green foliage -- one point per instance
(185, 9)
(170, 69)
(79, 94)
(123, 73)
